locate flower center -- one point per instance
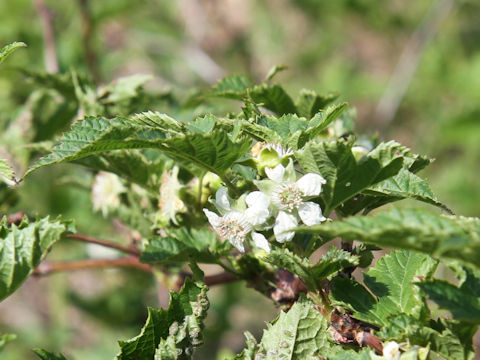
(289, 197)
(232, 227)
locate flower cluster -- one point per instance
(280, 203)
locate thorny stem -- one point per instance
(89, 239)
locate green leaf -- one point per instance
(10, 48)
(441, 236)
(272, 97)
(46, 355)
(173, 333)
(309, 102)
(232, 87)
(391, 283)
(463, 301)
(23, 247)
(6, 172)
(5, 339)
(345, 177)
(124, 88)
(274, 71)
(300, 334)
(202, 125)
(403, 185)
(252, 348)
(214, 152)
(185, 244)
(312, 275)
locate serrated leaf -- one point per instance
(202, 125)
(441, 236)
(252, 348)
(463, 301)
(309, 102)
(345, 177)
(23, 247)
(183, 245)
(233, 87)
(274, 71)
(46, 355)
(10, 48)
(124, 88)
(403, 185)
(173, 333)
(214, 152)
(391, 283)
(5, 339)
(300, 334)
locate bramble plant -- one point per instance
(257, 193)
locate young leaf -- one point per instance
(463, 301)
(309, 102)
(312, 275)
(46, 355)
(391, 283)
(232, 87)
(300, 334)
(173, 333)
(440, 236)
(345, 177)
(8, 49)
(184, 245)
(23, 247)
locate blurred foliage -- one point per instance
(349, 46)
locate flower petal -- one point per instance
(283, 223)
(213, 218)
(311, 213)
(260, 241)
(257, 212)
(275, 174)
(238, 243)
(221, 200)
(311, 184)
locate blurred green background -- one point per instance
(366, 50)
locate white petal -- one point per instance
(311, 184)
(260, 241)
(283, 223)
(257, 212)
(221, 200)
(311, 213)
(391, 351)
(238, 243)
(275, 174)
(213, 218)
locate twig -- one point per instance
(46, 268)
(218, 279)
(87, 36)
(45, 14)
(409, 59)
(88, 239)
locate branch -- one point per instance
(88, 239)
(45, 14)
(409, 59)
(47, 268)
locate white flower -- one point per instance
(169, 203)
(236, 222)
(391, 351)
(289, 197)
(105, 191)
